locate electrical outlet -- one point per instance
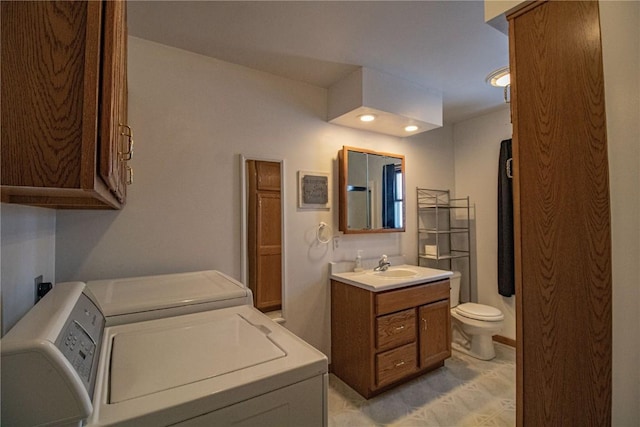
(336, 242)
(37, 282)
(41, 288)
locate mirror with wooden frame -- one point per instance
(371, 193)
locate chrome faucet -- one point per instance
(383, 264)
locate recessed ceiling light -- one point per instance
(499, 77)
(411, 128)
(367, 117)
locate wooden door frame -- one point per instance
(244, 259)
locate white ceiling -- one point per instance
(441, 45)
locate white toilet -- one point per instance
(473, 325)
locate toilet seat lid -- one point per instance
(480, 312)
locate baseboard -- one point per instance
(505, 340)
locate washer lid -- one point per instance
(140, 294)
(147, 362)
(217, 346)
(479, 312)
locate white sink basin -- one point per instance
(396, 273)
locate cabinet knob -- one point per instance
(400, 363)
(399, 328)
(424, 323)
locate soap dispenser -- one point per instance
(358, 266)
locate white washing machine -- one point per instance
(227, 367)
(134, 299)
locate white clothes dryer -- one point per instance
(231, 366)
(134, 299)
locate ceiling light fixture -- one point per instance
(411, 128)
(367, 117)
(499, 77)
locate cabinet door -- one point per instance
(115, 138)
(50, 51)
(53, 103)
(435, 333)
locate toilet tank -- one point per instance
(455, 289)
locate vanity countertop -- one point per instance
(397, 276)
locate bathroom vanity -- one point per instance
(389, 327)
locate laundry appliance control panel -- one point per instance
(80, 339)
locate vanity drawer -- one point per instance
(395, 364)
(400, 299)
(396, 329)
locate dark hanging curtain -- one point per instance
(388, 196)
(506, 274)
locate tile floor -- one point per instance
(465, 392)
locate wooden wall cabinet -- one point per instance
(381, 339)
(65, 143)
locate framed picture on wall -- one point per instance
(313, 190)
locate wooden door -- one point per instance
(265, 234)
(434, 323)
(561, 214)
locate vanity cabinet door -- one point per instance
(435, 332)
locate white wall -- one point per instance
(620, 24)
(477, 148)
(192, 116)
(28, 251)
